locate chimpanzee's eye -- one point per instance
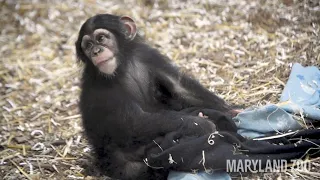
(102, 37)
(89, 45)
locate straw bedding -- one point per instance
(240, 49)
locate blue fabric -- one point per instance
(266, 120)
(302, 92)
(301, 96)
(220, 175)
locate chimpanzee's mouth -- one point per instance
(103, 61)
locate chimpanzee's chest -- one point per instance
(138, 82)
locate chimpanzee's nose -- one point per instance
(96, 50)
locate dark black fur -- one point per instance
(125, 112)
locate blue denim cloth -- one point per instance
(302, 92)
(301, 96)
(266, 120)
(220, 175)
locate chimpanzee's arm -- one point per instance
(187, 90)
(165, 121)
(122, 117)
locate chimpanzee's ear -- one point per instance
(130, 25)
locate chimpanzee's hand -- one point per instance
(222, 120)
(197, 126)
